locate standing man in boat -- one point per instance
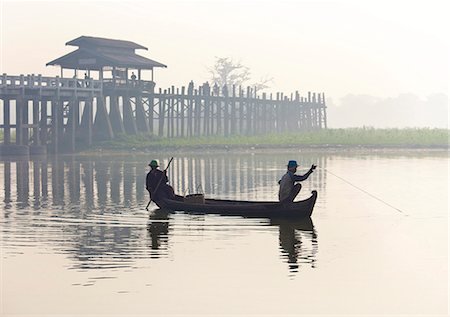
(156, 183)
(288, 189)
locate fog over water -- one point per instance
(406, 110)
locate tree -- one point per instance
(227, 72)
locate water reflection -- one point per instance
(297, 240)
(92, 209)
(99, 182)
(298, 243)
(158, 231)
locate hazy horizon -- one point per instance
(384, 50)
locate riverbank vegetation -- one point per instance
(370, 137)
(348, 137)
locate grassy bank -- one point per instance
(327, 138)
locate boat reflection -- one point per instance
(298, 243)
(158, 231)
(298, 240)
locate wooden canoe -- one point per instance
(265, 209)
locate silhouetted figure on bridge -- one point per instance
(133, 79)
(86, 79)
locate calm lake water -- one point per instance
(76, 238)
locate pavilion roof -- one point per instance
(93, 42)
(96, 53)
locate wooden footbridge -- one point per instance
(63, 114)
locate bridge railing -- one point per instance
(51, 83)
(143, 85)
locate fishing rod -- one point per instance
(366, 192)
(159, 183)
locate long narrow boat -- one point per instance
(266, 209)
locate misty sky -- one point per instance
(375, 48)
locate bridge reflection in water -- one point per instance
(92, 208)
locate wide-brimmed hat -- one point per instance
(153, 163)
(292, 163)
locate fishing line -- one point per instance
(366, 192)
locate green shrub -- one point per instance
(349, 136)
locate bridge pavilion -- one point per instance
(108, 60)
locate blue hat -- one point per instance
(292, 164)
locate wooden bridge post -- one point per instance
(86, 124)
(256, 122)
(19, 116)
(224, 107)
(102, 124)
(284, 112)
(171, 113)
(54, 142)
(269, 113)
(309, 113)
(151, 111)
(129, 121)
(161, 114)
(214, 113)
(141, 118)
(264, 114)
(43, 125)
(241, 110)
(70, 128)
(181, 100)
(290, 113)
(197, 113)
(324, 108)
(304, 102)
(297, 110)
(257, 112)
(314, 112)
(278, 113)
(114, 114)
(319, 111)
(59, 118)
(74, 112)
(7, 121)
(36, 138)
(248, 112)
(178, 107)
(25, 121)
(190, 105)
(232, 112)
(207, 111)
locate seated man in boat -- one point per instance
(156, 184)
(288, 189)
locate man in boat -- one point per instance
(156, 183)
(288, 189)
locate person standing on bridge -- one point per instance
(133, 79)
(288, 189)
(86, 80)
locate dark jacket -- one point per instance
(153, 179)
